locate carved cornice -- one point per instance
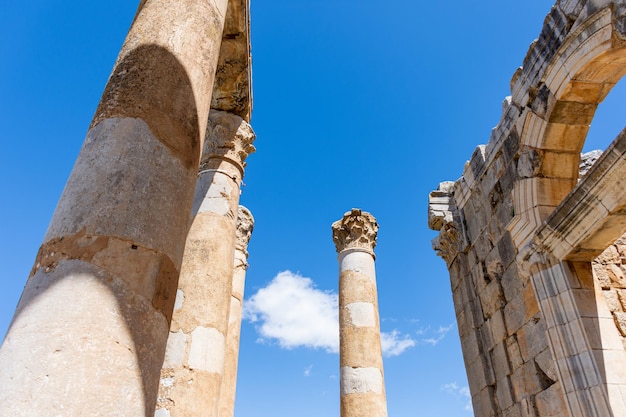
(228, 137)
(356, 230)
(444, 216)
(245, 224)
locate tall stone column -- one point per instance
(194, 360)
(245, 224)
(360, 352)
(89, 333)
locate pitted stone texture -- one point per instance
(356, 230)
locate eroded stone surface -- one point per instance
(520, 229)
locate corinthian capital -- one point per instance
(245, 224)
(356, 230)
(228, 137)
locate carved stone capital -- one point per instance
(245, 224)
(447, 243)
(356, 230)
(228, 137)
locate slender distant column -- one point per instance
(194, 360)
(245, 224)
(89, 333)
(360, 354)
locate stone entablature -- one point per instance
(232, 89)
(521, 228)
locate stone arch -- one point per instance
(519, 231)
(564, 222)
(561, 104)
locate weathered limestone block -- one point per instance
(439, 211)
(504, 394)
(620, 321)
(360, 352)
(612, 301)
(550, 402)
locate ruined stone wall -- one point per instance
(541, 320)
(609, 271)
(505, 349)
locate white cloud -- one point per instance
(307, 370)
(441, 333)
(463, 392)
(394, 343)
(294, 313)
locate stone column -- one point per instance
(194, 360)
(89, 333)
(245, 224)
(360, 352)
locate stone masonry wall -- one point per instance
(487, 219)
(609, 271)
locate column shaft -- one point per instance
(360, 353)
(89, 333)
(192, 372)
(245, 223)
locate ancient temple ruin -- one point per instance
(534, 249)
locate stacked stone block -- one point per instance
(519, 232)
(192, 374)
(609, 271)
(362, 386)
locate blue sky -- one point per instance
(356, 104)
